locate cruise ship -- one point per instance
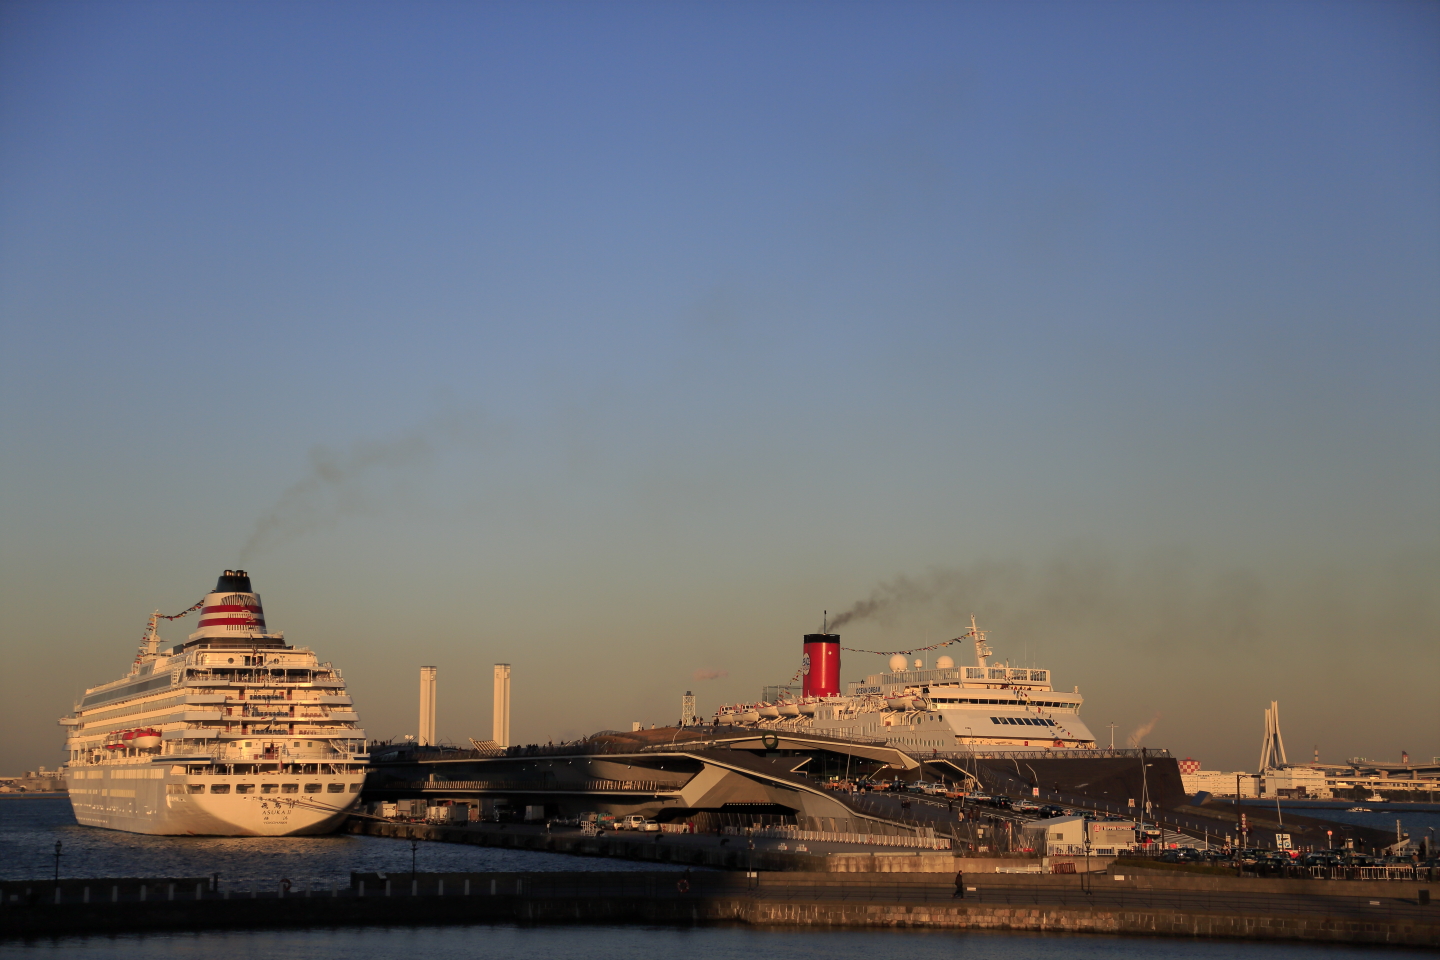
(985, 708)
(232, 733)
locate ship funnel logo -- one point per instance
(805, 665)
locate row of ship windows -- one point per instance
(1011, 703)
(264, 788)
(1025, 721)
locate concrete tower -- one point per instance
(501, 724)
(427, 706)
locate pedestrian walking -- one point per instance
(959, 886)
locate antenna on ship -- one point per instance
(151, 641)
(981, 650)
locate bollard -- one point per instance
(440, 889)
(199, 891)
(360, 891)
(414, 888)
(142, 893)
(467, 886)
(114, 894)
(170, 892)
(1424, 898)
(85, 895)
(387, 888)
(57, 894)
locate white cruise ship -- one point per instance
(985, 708)
(231, 733)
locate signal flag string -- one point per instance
(176, 616)
(933, 646)
(200, 603)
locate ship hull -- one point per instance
(922, 731)
(150, 800)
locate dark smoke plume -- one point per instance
(343, 483)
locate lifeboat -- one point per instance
(113, 741)
(146, 739)
(749, 716)
(789, 709)
(807, 709)
(769, 711)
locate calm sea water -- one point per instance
(655, 943)
(29, 829)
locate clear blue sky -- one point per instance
(618, 341)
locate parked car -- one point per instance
(632, 822)
(650, 826)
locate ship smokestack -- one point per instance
(820, 667)
(427, 706)
(231, 611)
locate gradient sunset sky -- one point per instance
(618, 341)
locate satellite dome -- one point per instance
(944, 663)
(897, 663)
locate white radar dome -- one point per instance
(944, 663)
(897, 663)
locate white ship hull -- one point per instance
(989, 708)
(233, 733)
(148, 798)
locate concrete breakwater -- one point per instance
(1379, 914)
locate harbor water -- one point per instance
(655, 943)
(30, 827)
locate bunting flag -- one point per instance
(185, 612)
(933, 646)
(175, 616)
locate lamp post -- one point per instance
(57, 860)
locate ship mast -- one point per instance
(981, 650)
(149, 643)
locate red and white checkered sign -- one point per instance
(1189, 766)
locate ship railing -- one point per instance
(800, 728)
(545, 786)
(874, 839)
(1048, 753)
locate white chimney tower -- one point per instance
(427, 706)
(501, 723)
